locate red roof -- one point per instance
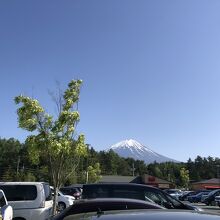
(211, 187)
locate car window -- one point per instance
(118, 191)
(19, 192)
(128, 193)
(217, 193)
(213, 192)
(175, 203)
(47, 191)
(65, 191)
(158, 198)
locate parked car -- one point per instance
(72, 191)
(185, 194)
(156, 214)
(29, 200)
(102, 205)
(6, 211)
(63, 201)
(176, 193)
(210, 198)
(217, 200)
(204, 197)
(134, 191)
(191, 193)
(197, 197)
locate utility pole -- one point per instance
(17, 169)
(218, 166)
(87, 177)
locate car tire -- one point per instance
(61, 206)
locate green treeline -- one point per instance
(15, 165)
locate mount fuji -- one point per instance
(133, 149)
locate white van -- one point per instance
(29, 200)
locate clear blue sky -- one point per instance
(151, 69)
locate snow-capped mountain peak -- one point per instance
(130, 144)
(127, 143)
(133, 149)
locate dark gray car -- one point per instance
(101, 205)
(134, 191)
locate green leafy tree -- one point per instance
(52, 139)
(10, 158)
(109, 162)
(124, 168)
(184, 177)
(140, 167)
(93, 173)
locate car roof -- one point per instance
(145, 214)
(22, 183)
(102, 205)
(69, 187)
(111, 200)
(118, 184)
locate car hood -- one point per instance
(143, 215)
(69, 197)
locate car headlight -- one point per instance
(70, 201)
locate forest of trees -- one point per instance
(15, 165)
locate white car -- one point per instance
(6, 211)
(174, 192)
(29, 200)
(63, 201)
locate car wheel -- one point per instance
(61, 206)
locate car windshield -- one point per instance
(60, 193)
(201, 193)
(175, 203)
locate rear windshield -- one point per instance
(69, 190)
(19, 192)
(105, 191)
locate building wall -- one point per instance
(157, 182)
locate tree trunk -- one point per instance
(54, 211)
